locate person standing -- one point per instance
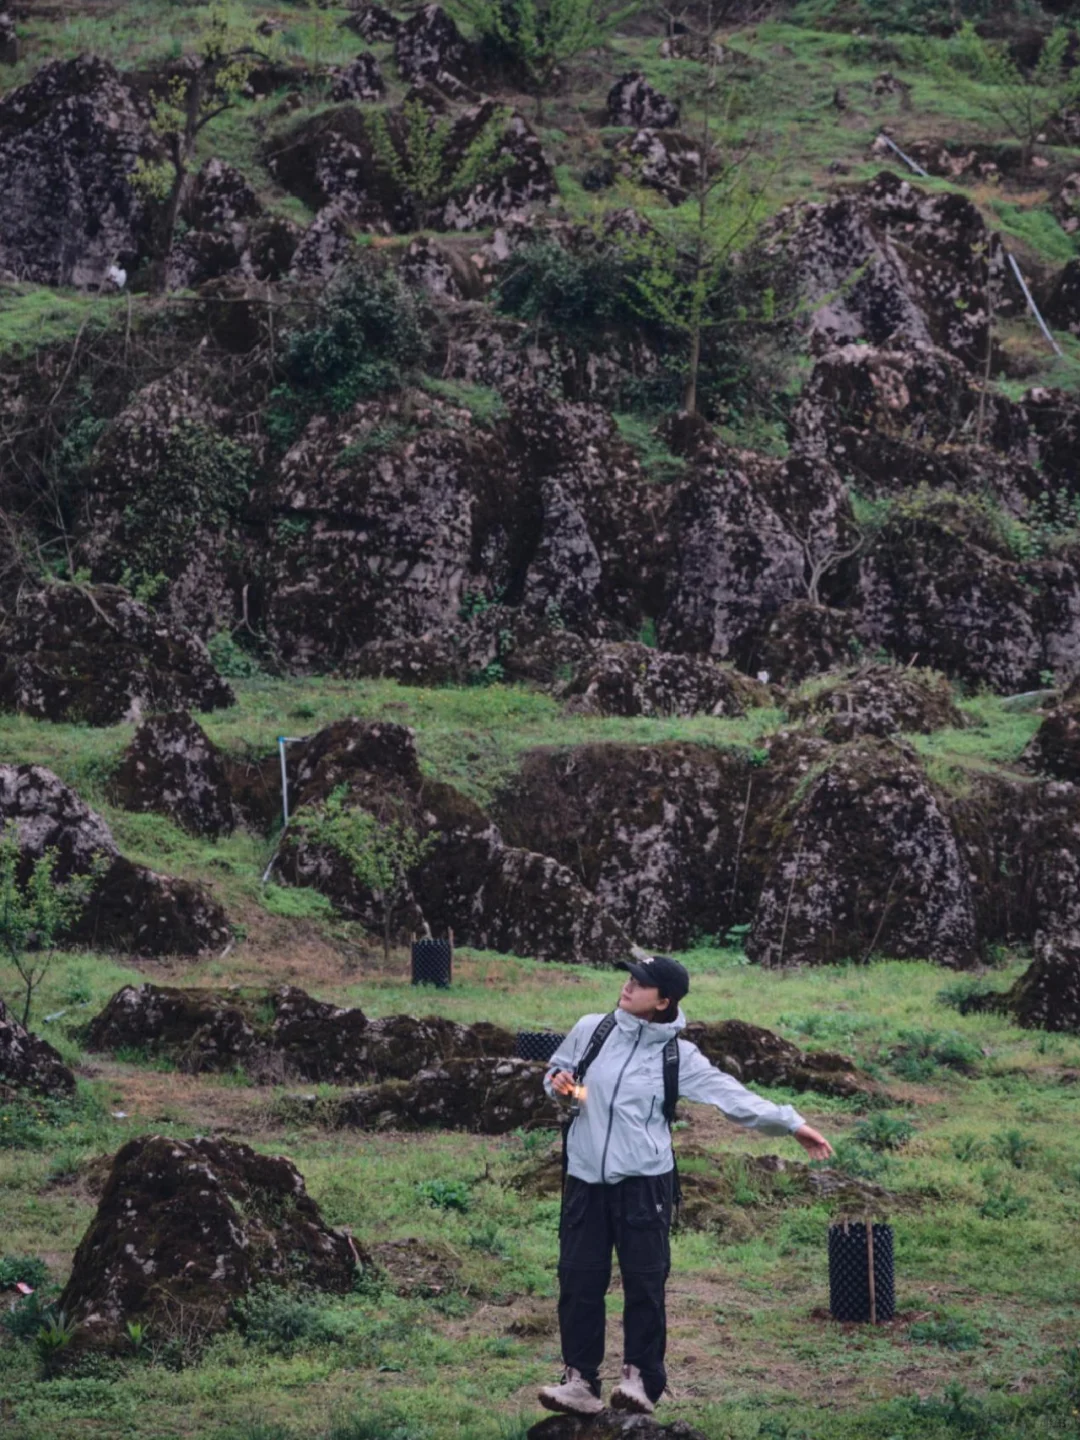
(620, 1177)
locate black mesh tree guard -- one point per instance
(862, 1285)
(432, 963)
(537, 1044)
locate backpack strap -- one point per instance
(593, 1046)
(671, 1100)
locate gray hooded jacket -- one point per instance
(620, 1128)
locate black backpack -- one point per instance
(671, 1090)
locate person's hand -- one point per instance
(815, 1145)
(562, 1082)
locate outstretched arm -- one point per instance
(700, 1080)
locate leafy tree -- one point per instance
(421, 162)
(539, 36)
(689, 254)
(1024, 101)
(380, 850)
(34, 915)
(213, 79)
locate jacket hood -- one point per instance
(654, 1032)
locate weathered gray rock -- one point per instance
(802, 639)
(187, 1228)
(864, 862)
(633, 101)
(173, 768)
(69, 141)
(325, 247)
(361, 79)
(129, 907)
(487, 1096)
(95, 655)
(1063, 306)
(430, 47)
(761, 1057)
(1055, 748)
(880, 700)
(29, 1063)
(488, 893)
(282, 1035)
(664, 160)
(654, 832)
(371, 22)
(633, 679)
(894, 265)
(1047, 995)
(439, 270)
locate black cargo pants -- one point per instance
(634, 1218)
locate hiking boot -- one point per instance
(573, 1396)
(629, 1394)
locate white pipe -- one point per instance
(906, 158)
(1031, 304)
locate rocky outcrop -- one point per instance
(283, 1034)
(652, 831)
(174, 769)
(761, 1057)
(226, 231)
(361, 79)
(880, 700)
(429, 47)
(69, 142)
(186, 1229)
(1047, 994)
(92, 654)
(891, 264)
(29, 1063)
(664, 160)
(863, 861)
(129, 907)
(611, 1425)
(1055, 747)
(330, 160)
(439, 270)
(410, 517)
(468, 880)
(633, 101)
(486, 1096)
(634, 679)
(1063, 306)
(802, 639)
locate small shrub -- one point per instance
(279, 1319)
(1004, 1203)
(27, 1268)
(921, 1053)
(858, 1161)
(965, 995)
(1015, 1147)
(968, 1147)
(488, 1238)
(950, 1333)
(485, 405)
(884, 1132)
(445, 1195)
(27, 1316)
(52, 1340)
(231, 659)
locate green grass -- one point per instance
(32, 315)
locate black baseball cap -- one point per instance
(669, 977)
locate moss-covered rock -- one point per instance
(879, 700)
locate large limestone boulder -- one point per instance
(664, 160)
(488, 1096)
(361, 79)
(861, 861)
(130, 907)
(654, 832)
(226, 231)
(69, 141)
(430, 47)
(174, 768)
(29, 1063)
(629, 678)
(801, 639)
(1055, 747)
(891, 264)
(633, 101)
(879, 700)
(1047, 995)
(469, 881)
(758, 1056)
(187, 1228)
(94, 655)
(1063, 306)
(284, 1034)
